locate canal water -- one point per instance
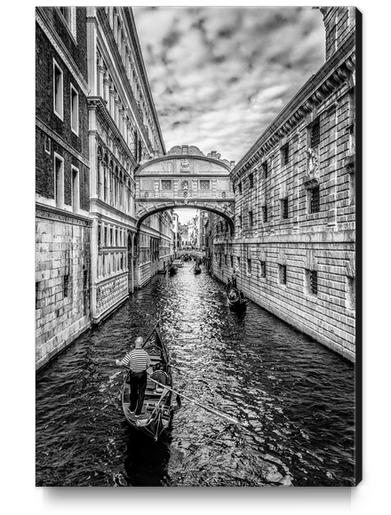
(292, 396)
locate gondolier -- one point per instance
(138, 361)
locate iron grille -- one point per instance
(315, 134)
(284, 208)
(263, 268)
(285, 154)
(251, 218)
(283, 274)
(315, 200)
(251, 180)
(313, 283)
(264, 213)
(265, 170)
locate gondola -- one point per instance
(235, 300)
(159, 404)
(197, 269)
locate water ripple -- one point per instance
(293, 398)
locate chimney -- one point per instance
(213, 154)
(232, 164)
(185, 149)
(218, 156)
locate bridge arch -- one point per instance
(225, 214)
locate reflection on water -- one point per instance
(293, 398)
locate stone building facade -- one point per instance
(123, 131)
(62, 180)
(294, 245)
(95, 123)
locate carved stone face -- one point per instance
(185, 185)
(185, 164)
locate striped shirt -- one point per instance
(137, 360)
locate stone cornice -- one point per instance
(60, 215)
(327, 80)
(58, 45)
(183, 156)
(100, 203)
(42, 125)
(99, 105)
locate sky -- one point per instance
(220, 75)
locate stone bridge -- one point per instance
(185, 177)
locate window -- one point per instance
(232, 261)
(249, 266)
(36, 294)
(58, 91)
(74, 110)
(351, 293)
(66, 285)
(263, 268)
(166, 185)
(314, 200)
(69, 15)
(315, 134)
(59, 180)
(282, 274)
(312, 282)
(240, 220)
(238, 259)
(99, 235)
(264, 213)
(352, 189)
(240, 187)
(265, 169)
(251, 180)
(285, 154)
(75, 190)
(225, 259)
(204, 184)
(284, 208)
(47, 144)
(250, 218)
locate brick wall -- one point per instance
(45, 53)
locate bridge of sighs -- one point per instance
(185, 177)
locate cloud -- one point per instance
(220, 75)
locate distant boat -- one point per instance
(197, 269)
(159, 404)
(178, 263)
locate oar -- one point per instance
(207, 408)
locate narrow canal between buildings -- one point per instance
(295, 397)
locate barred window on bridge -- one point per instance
(166, 185)
(204, 184)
